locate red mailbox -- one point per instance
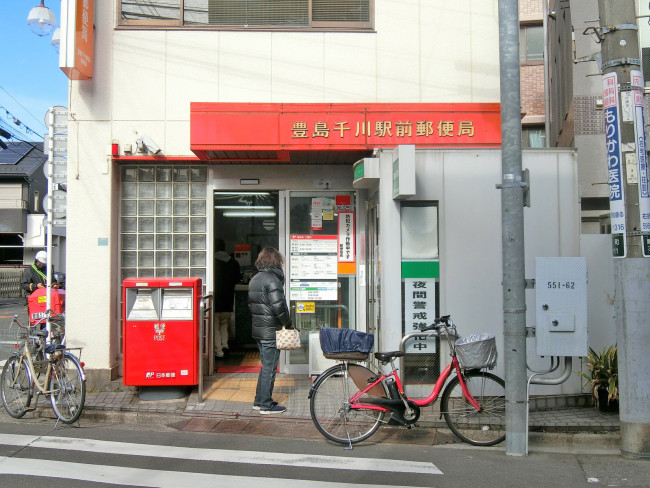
(161, 331)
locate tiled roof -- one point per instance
(21, 159)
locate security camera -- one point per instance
(151, 146)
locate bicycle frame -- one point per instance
(421, 402)
(42, 387)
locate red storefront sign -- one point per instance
(343, 127)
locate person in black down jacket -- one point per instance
(269, 313)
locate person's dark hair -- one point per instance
(269, 257)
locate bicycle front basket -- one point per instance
(345, 343)
(477, 351)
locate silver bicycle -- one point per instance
(41, 368)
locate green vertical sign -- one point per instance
(359, 171)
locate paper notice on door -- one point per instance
(313, 290)
(343, 203)
(316, 214)
(346, 253)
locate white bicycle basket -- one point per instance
(477, 351)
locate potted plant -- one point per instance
(603, 378)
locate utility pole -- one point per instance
(630, 217)
(512, 233)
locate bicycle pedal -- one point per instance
(30, 409)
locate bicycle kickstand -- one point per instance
(349, 446)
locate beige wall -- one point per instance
(143, 83)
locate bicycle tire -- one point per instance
(68, 388)
(330, 410)
(485, 427)
(16, 386)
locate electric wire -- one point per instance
(16, 136)
(25, 108)
(19, 123)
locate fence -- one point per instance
(10, 282)
(8, 341)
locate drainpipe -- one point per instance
(547, 95)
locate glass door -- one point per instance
(244, 224)
(321, 266)
(373, 277)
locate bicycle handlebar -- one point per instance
(49, 315)
(443, 322)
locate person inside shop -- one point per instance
(35, 277)
(269, 313)
(227, 274)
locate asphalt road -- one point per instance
(107, 455)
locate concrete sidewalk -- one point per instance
(227, 407)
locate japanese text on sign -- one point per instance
(642, 159)
(614, 166)
(346, 237)
(419, 310)
(383, 128)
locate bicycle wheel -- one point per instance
(330, 408)
(68, 388)
(16, 385)
(485, 427)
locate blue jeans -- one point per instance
(269, 355)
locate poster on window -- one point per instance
(313, 290)
(346, 237)
(316, 214)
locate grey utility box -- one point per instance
(561, 306)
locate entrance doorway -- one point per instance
(244, 224)
(316, 232)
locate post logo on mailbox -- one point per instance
(159, 331)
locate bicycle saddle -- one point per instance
(387, 356)
(52, 348)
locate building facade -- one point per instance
(287, 129)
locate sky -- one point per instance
(30, 78)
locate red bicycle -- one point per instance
(349, 402)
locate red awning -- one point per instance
(342, 133)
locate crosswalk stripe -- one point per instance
(153, 478)
(222, 455)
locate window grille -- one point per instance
(280, 14)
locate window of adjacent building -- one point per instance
(533, 136)
(282, 14)
(11, 196)
(531, 44)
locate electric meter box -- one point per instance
(161, 331)
(561, 306)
